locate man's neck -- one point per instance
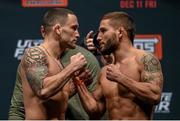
(123, 52)
(52, 48)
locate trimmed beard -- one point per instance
(110, 46)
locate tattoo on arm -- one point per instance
(151, 67)
(151, 64)
(35, 64)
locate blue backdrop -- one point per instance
(19, 28)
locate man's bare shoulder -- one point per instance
(34, 56)
(142, 54)
(148, 61)
(145, 55)
(139, 53)
(34, 63)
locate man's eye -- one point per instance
(102, 30)
(74, 28)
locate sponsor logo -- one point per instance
(23, 44)
(151, 43)
(164, 105)
(129, 4)
(44, 3)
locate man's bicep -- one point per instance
(35, 76)
(35, 65)
(152, 71)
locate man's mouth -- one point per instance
(74, 40)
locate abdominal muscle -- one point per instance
(124, 108)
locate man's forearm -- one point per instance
(147, 91)
(53, 84)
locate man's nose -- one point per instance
(99, 38)
(77, 34)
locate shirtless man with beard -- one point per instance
(131, 86)
(46, 84)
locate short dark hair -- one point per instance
(118, 19)
(55, 15)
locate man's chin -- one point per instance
(72, 46)
(103, 52)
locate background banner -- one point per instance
(157, 23)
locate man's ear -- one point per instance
(120, 32)
(42, 29)
(57, 28)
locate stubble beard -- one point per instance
(110, 46)
(67, 43)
